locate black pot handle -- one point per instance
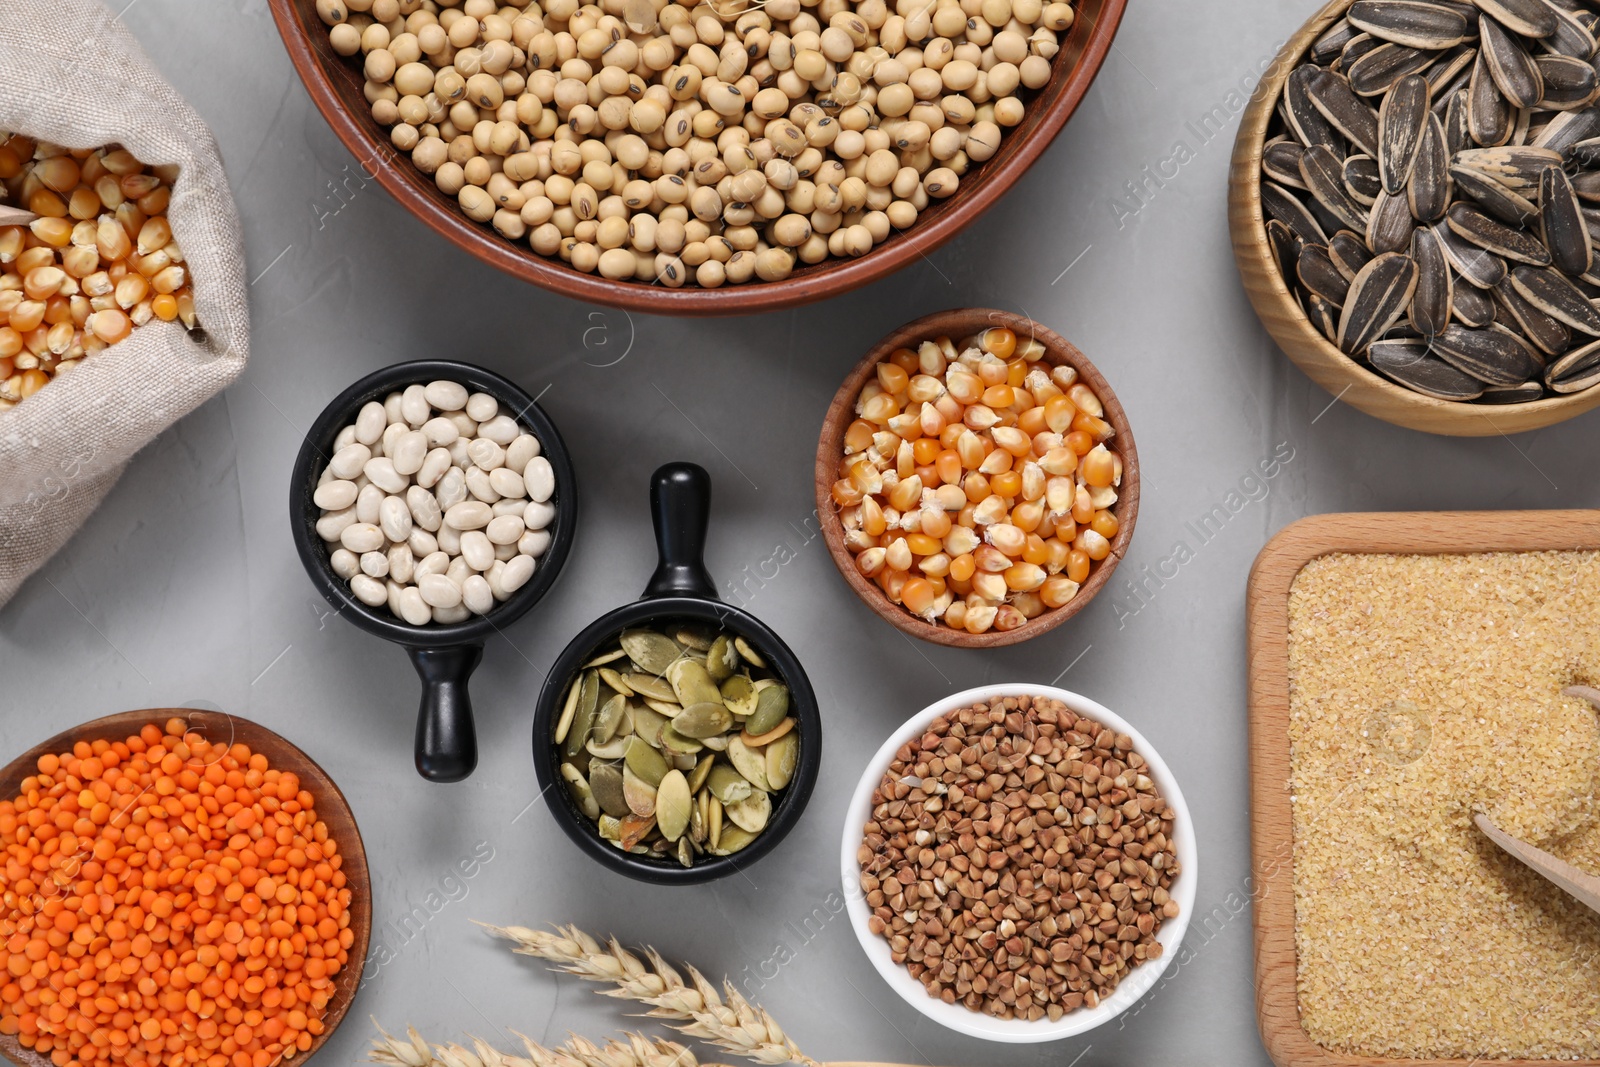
(680, 509)
(447, 741)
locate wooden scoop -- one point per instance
(15, 216)
(1584, 887)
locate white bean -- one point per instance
(458, 453)
(335, 495)
(517, 572)
(434, 464)
(375, 564)
(345, 563)
(440, 431)
(347, 436)
(459, 570)
(486, 454)
(538, 515)
(349, 460)
(333, 523)
(449, 540)
(521, 450)
(402, 564)
(438, 591)
(424, 507)
(369, 591)
(384, 476)
(505, 552)
(507, 482)
(477, 550)
(508, 507)
(368, 504)
(447, 396)
(446, 616)
(494, 574)
(452, 488)
(413, 608)
(540, 478)
(394, 517)
(391, 408)
(464, 424)
(479, 486)
(433, 563)
(476, 594)
(482, 406)
(370, 422)
(361, 537)
(391, 437)
(413, 406)
(534, 543)
(422, 542)
(409, 452)
(502, 430)
(504, 530)
(468, 515)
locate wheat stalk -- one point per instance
(639, 1051)
(694, 1008)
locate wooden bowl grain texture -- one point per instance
(1285, 319)
(1271, 815)
(335, 85)
(332, 809)
(958, 324)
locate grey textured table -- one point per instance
(184, 587)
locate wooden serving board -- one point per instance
(1271, 822)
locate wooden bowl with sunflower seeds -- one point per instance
(1414, 203)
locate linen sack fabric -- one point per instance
(76, 77)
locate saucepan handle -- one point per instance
(680, 509)
(447, 740)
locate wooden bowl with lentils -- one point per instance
(1019, 863)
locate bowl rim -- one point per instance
(330, 798)
(975, 1024)
(312, 457)
(787, 810)
(1252, 252)
(362, 138)
(830, 445)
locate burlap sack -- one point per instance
(76, 77)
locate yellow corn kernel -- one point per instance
(906, 494)
(922, 544)
(1034, 481)
(880, 408)
(969, 447)
(1029, 604)
(1059, 411)
(964, 386)
(917, 595)
(935, 565)
(1082, 507)
(1028, 516)
(955, 616)
(1024, 577)
(924, 389)
(990, 586)
(870, 562)
(110, 326)
(930, 420)
(1105, 524)
(83, 205)
(976, 486)
(164, 307)
(857, 437)
(892, 377)
(1056, 591)
(155, 234)
(54, 232)
(1007, 617)
(1007, 538)
(991, 510)
(872, 521)
(963, 567)
(1056, 552)
(998, 461)
(1059, 461)
(1092, 544)
(112, 240)
(892, 582)
(935, 521)
(186, 312)
(1012, 440)
(1084, 400)
(1035, 551)
(846, 494)
(999, 396)
(1007, 484)
(898, 555)
(979, 417)
(80, 262)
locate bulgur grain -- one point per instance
(1423, 688)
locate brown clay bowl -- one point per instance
(335, 85)
(1286, 320)
(957, 324)
(332, 808)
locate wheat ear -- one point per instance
(638, 1051)
(694, 1008)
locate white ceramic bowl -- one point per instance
(976, 1024)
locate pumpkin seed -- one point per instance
(650, 687)
(692, 683)
(739, 694)
(645, 762)
(648, 723)
(639, 793)
(783, 756)
(752, 812)
(608, 719)
(679, 744)
(612, 749)
(605, 782)
(635, 828)
(727, 784)
(703, 719)
(579, 790)
(748, 653)
(569, 708)
(583, 714)
(750, 762)
(616, 681)
(666, 708)
(732, 839)
(610, 827)
(772, 705)
(650, 651)
(609, 657)
(702, 771)
(674, 802)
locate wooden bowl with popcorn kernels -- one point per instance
(958, 324)
(336, 87)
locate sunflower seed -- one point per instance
(1409, 363)
(1585, 153)
(1401, 119)
(1390, 224)
(1349, 253)
(1306, 121)
(1515, 73)
(1554, 293)
(1562, 225)
(1378, 296)
(1516, 313)
(1480, 268)
(1469, 306)
(1326, 48)
(1477, 228)
(1352, 116)
(1520, 393)
(1568, 83)
(1287, 208)
(1587, 185)
(1488, 114)
(1428, 191)
(1494, 355)
(1566, 130)
(1354, 50)
(1531, 18)
(1361, 180)
(1323, 315)
(1517, 167)
(1575, 371)
(1450, 72)
(1410, 22)
(1571, 37)
(1505, 205)
(1285, 252)
(1378, 70)
(1280, 161)
(1323, 176)
(1430, 302)
(1456, 134)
